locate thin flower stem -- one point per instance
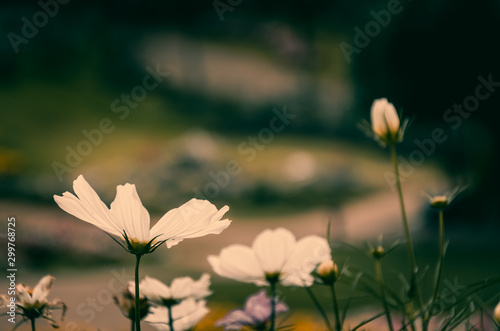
(409, 242)
(33, 324)
(338, 324)
(320, 309)
(132, 325)
(440, 262)
(378, 267)
(170, 319)
(273, 305)
(137, 298)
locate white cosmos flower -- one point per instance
(180, 289)
(185, 315)
(275, 256)
(127, 217)
(35, 297)
(385, 121)
(32, 303)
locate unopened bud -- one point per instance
(378, 252)
(385, 121)
(327, 271)
(497, 313)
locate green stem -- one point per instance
(440, 262)
(137, 295)
(378, 267)
(320, 309)
(170, 319)
(273, 305)
(33, 325)
(132, 325)
(409, 242)
(338, 324)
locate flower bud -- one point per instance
(385, 121)
(378, 252)
(497, 313)
(327, 271)
(126, 302)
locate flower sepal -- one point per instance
(379, 251)
(170, 302)
(137, 248)
(273, 278)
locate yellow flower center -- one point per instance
(439, 201)
(273, 277)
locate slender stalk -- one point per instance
(33, 325)
(440, 262)
(378, 267)
(170, 319)
(132, 325)
(137, 298)
(320, 309)
(409, 242)
(367, 321)
(273, 305)
(338, 324)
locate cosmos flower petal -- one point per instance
(185, 315)
(184, 287)
(87, 207)
(188, 313)
(392, 118)
(238, 262)
(42, 289)
(308, 253)
(385, 119)
(257, 312)
(23, 293)
(172, 241)
(128, 210)
(201, 287)
(258, 307)
(195, 218)
(235, 320)
(377, 116)
(280, 242)
(154, 290)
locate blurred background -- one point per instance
(251, 104)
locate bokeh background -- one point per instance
(77, 96)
